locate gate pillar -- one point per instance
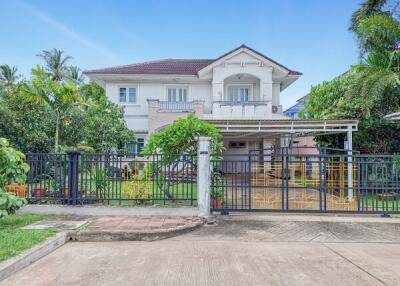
(350, 165)
(203, 176)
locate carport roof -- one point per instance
(284, 126)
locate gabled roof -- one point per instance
(176, 66)
(167, 66)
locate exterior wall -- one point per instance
(158, 120)
(137, 114)
(209, 87)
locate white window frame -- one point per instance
(238, 85)
(127, 87)
(177, 86)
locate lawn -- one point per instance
(14, 240)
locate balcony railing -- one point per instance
(174, 106)
(226, 102)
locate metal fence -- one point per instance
(76, 178)
(289, 180)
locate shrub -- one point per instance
(13, 169)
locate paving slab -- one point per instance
(60, 224)
(194, 263)
(277, 229)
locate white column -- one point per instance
(350, 164)
(203, 176)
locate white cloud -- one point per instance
(68, 32)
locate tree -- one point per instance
(367, 9)
(105, 129)
(56, 63)
(28, 125)
(369, 90)
(8, 75)
(74, 76)
(48, 92)
(180, 137)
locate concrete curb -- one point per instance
(31, 255)
(88, 210)
(97, 236)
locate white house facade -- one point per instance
(239, 92)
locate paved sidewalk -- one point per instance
(238, 250)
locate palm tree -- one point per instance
(56, 64)
(367, 9)
(376, 88)
(74, 75)
(8, 75)
(45, 91)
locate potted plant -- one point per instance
(217, 198)
(39, 192)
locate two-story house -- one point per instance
(239, 92)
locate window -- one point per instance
(122, 94)
(134, 149)
(177, 94)
(127, 94)
(234, 144)
(139, 144)
(238, 93)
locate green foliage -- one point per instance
(217, 192)
(13, 169)
(56, 111)
(180, 137)
(8, 76)
(367, 9)
(56, 63)
(105, 128)
(369, 90)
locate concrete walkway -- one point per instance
(239, 250)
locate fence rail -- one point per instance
(113, 179)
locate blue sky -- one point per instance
(309, 35)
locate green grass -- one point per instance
(14, 240)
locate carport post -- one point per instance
(350, 164)
(203, 176)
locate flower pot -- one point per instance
(66, 192)
(217, 203)
(18, 190)
(39, 192)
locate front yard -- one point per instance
(14, 239)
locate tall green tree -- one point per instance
(56, 63)
(8, 75)
(74, 76)
(371, 89)
(367, 9)
(43, 89)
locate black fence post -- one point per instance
(73, 171)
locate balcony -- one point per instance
(174, 106)
(242, 110)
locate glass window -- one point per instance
(122, 94)
(127, 94)
(139, 144)
(132, 94)
(177, 94)
(238, 93)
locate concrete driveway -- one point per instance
(239, 250)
